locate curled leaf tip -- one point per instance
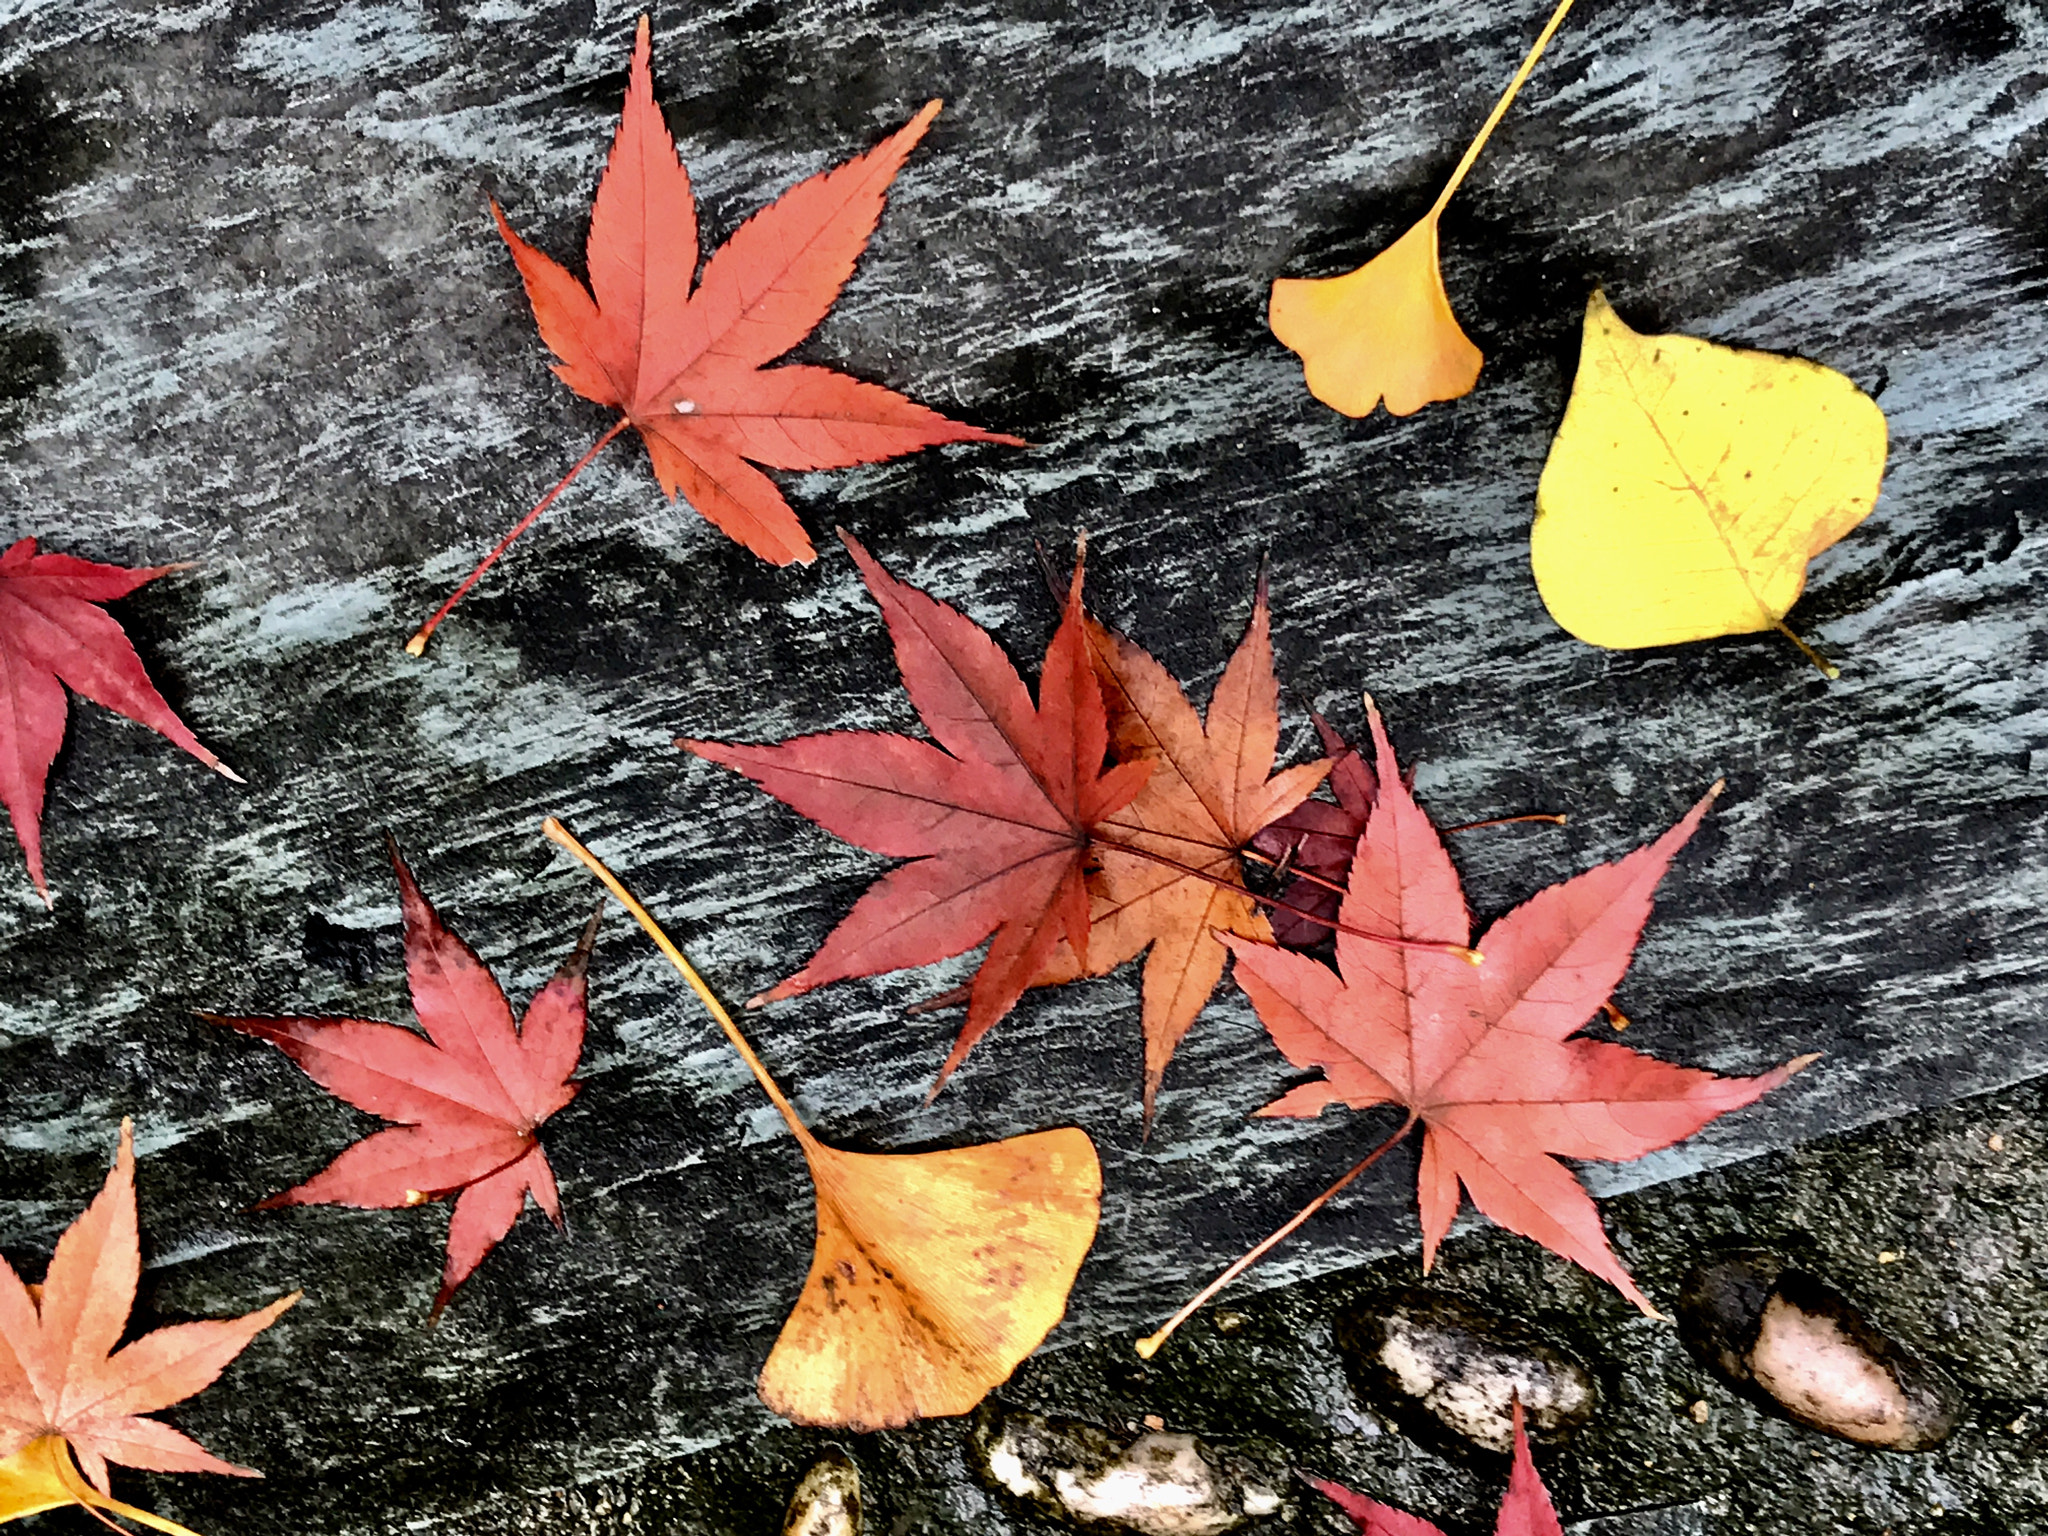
(1801, 1063)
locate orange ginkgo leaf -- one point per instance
(1386, 331)
(1169, 879)
(934, 1273)
(67, 1391)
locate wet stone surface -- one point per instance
(254, 315)
(1449, 1372)
(1157, 1483)
(1967, 1292)
(1796, 1344)
(827, 1501)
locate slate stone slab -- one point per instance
(253, 315)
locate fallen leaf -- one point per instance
(464, 1103)
(996, 814)
(1386, 331)
(687, 367)
(1525, 1509)
(1169, 879)
(66, 1391)
(53, 633)
(1480, 1055)
(1691, 483)
(935, 1273)
(1316, 840)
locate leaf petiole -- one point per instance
(1827, 668)
(1148, 1346)
(561, 835)
(1500, 108)
(417, 645)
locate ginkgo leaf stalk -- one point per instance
(1500, 108)
(562, 836)
(92, 1501)
(1148, 1346)
(417, 645)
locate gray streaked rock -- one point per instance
(1158, 1484)
(1437, 1366)
(827, 1501)
(1790, 1341)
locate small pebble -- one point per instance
(1153, 1421)
(1888, 1256)
(1701, 1412)
(1438, 1367)
(1995, 1142)
(1797, 1346)
(1227, 1323)
(1155, 1485)
(827, 1501)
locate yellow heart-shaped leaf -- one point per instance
(1690, 484)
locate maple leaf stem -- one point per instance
(1284, 866)
(561, 835)
(1507, 821)
(1500, 108)
(1149, 1346)
(417, 645)
(1431, 946)
(1828, 669)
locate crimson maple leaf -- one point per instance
(1525, 1509)
(996, 813)
(66, 1390)
(465, 1102)
(1481, 1054)
(687, 366)
(53, 633)
(1317, 839)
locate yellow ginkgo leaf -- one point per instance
(1386, 331)
(934, 1273)
(1691, 483)
(41, 1476)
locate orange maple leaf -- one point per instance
(684, 362)
(65, 1389)
(1169, 879)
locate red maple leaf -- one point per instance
(63, 1382)
(686, 366)
(1525, 1509)
(465, 1102)
(1481, 1054)
(53, 633)
(996, 813)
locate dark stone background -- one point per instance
(253, 315)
